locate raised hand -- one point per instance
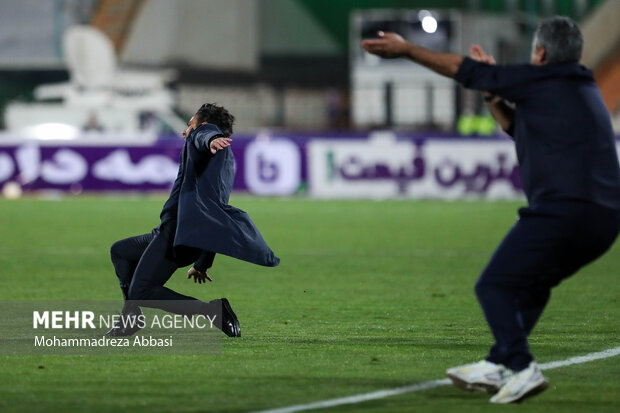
(387, 45)
(477, 53)
(218, 144)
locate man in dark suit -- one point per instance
(196, 223)
(571, 177)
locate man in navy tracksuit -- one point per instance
(196, 223)
(571, 177)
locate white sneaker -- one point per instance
(522, 385)
(482, 376)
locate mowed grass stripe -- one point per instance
(369, 295)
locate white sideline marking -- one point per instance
(605, 354)
(359, 398)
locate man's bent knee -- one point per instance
(488, 285)
(116, 250)
(480, 288)
(140, 292)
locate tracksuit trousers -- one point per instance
(549, 243)
(145, 263)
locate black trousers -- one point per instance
(145, 263)
(549, 243)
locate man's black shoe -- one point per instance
(130, 322)
(230, 323)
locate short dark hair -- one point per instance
(217, 115)
(561, 38)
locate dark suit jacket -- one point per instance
(562, 130)
(200, 197)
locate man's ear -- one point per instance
(541, 54)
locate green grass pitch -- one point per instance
(369, 296)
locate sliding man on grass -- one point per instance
(196, 223)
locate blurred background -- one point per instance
(94, 93)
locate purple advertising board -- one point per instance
(264, 165)
(376, 165)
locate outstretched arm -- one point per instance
(510, 82)
(392, 45)
(208, 137)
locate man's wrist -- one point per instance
(491, 98)
(410, 51)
